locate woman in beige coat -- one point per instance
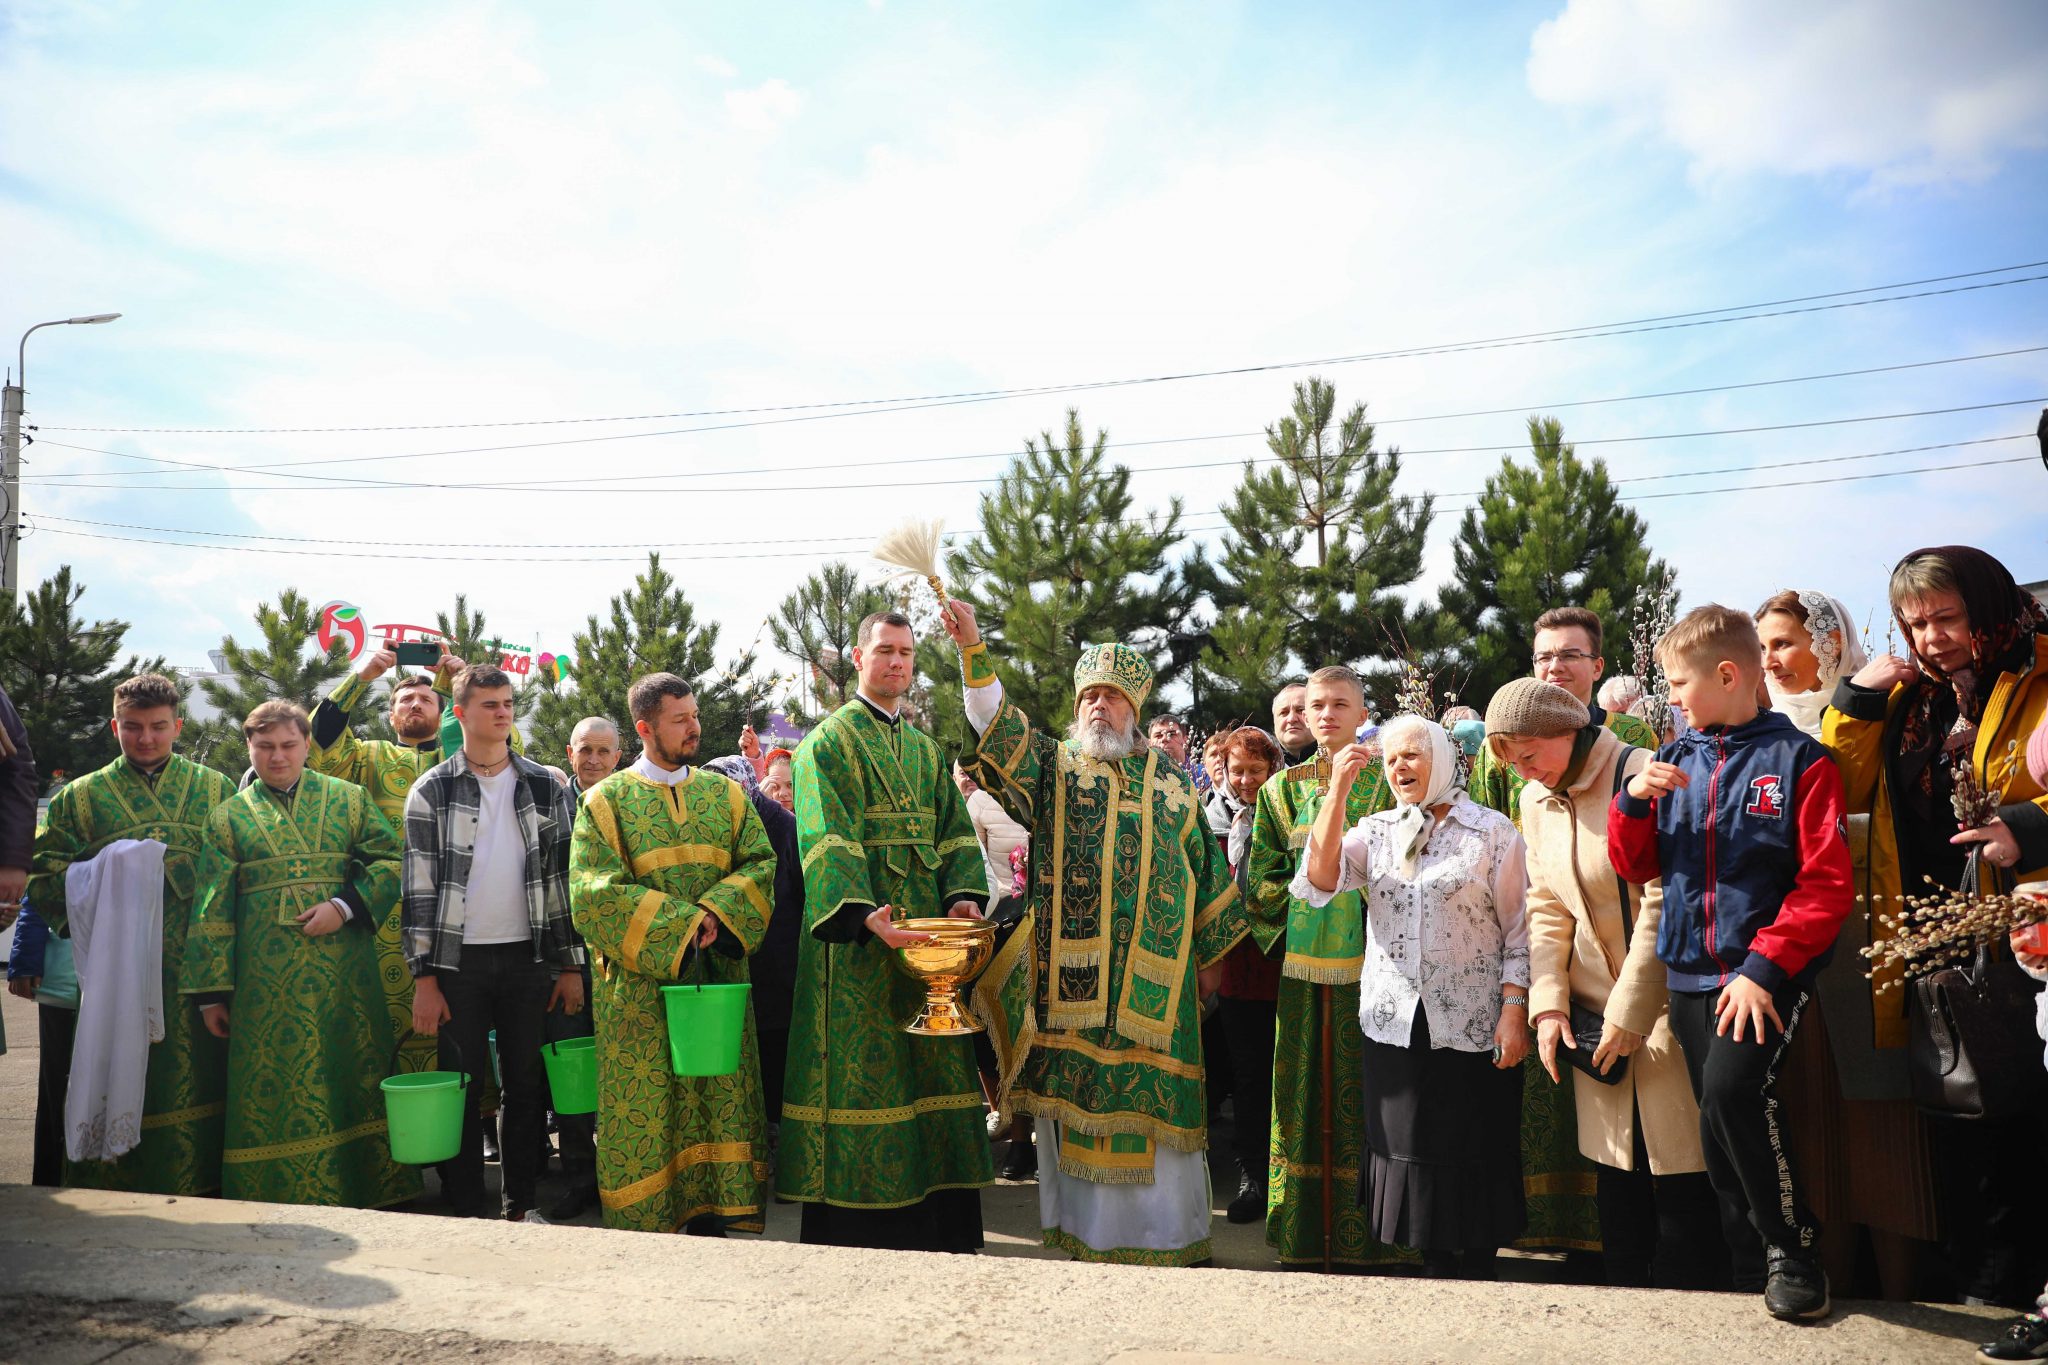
(1659, 1224)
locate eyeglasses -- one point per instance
(1563, 656)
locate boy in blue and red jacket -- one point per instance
(1741, 818)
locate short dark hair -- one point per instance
(276, 711)
(1167, 718)
(488, 676)
(870, 623)
(411, 680)
(145, 692)
(1564, 618)
(645, 696)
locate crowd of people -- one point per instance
(1582, 972)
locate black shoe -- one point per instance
(490, 1137)
(1022, 1161)
(2025, 1339)
(1250, 1204)
(573, 1205)
(705, 1225)
(1795, 1287)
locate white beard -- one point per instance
(1104, 743)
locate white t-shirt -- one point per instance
(494, 904)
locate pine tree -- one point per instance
(652, 628)
(59, 671)
(1317, 547)
(817, 625)
(287, 664)
(1060, 563)
(1550, 533)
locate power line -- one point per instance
(814, 554)
(848, 407)
(271, 467)
(862, 540)
(584, 484)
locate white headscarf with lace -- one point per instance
(1412, 824)
(1838, 650)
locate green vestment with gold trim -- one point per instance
(184, 1096)
(1318, 991)
(648, 862)
(309, 1037)
(386, 770)
(1092, 1004)
(872, 1117)
(1558, 1182)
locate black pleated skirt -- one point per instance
(1443, 1161)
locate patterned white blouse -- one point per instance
(1450, 938)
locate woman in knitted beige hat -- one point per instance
(1592, 954)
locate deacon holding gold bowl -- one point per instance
(882, 1136)
(1094, 1004)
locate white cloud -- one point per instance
(717, 66)
(1899, 91)
(765, 108)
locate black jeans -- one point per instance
(1658, 1231)
(1991, 1205)
(56, 1026)
(1248, 1024)
(1742, 1130)
(578, 1131)
(499, 987)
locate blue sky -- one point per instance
(392, 215)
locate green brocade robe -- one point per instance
(1314, 993)
(647, 863)
(1558, 1184)
(184, 1096)
(386, 770)
(1092, 1005)
(309, 1038)
(873, 1118)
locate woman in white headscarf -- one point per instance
(1808, 648)
(1443, 1000)
(1860, 1146)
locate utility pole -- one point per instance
(10, 452)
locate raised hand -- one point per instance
(378, 664)
(958, 619)
(1658, 779)
(1885, 672)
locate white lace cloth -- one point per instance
(116, 904)
(1448, 939)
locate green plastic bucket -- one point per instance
(572, 1074)
(423, 1111)
(704, 1027)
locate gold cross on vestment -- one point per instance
(297, 867)
(160, 835)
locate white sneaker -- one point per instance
(996, 1126)
(534, 1216)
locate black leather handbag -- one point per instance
(1587, 1022)
(1971, 1049)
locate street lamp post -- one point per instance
(10, 450)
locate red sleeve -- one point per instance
(1632, 839)
(1823, 891)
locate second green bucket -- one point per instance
(704, 1027)
(572, 1075)
(423, 1111)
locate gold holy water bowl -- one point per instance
(956, 953)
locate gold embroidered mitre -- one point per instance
(1117, 666)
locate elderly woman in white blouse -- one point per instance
(1443, 1001)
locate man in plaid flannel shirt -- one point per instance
(486, 928)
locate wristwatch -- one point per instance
(1521, 1000)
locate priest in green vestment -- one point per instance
(1316, 1056)
(670, 877)
(883, 1139)
(386, 770)
(1094, 1004)
(296, 872)
(1558, 1182)
(149, 792)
